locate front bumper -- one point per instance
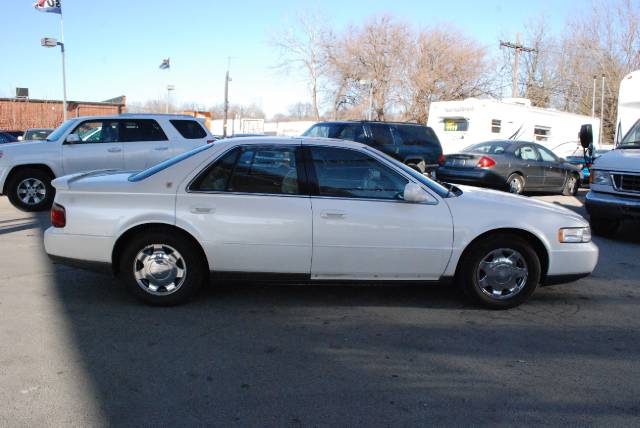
(611, 206)
(569, 262)
(4, 172)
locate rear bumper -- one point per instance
(77, 250)
(612, 207)
(472, 176)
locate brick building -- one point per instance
(20, 114)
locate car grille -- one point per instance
(626, 182)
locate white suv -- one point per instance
(123, 142)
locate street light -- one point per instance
(49, 42)
(370, 83)
(169, 89)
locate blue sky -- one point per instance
(114, 47)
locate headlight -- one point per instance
(574, 234)
(600, 177)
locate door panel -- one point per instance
(250, 233)
(532, 166)
(554, 174)
(98, 148)
(379, 240)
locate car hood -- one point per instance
(619, 160)
(20, 148)
(506, 207)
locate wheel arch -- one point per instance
(17, 168)
(537, 244)
(125, 237)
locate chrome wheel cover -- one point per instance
(515, 185)
(502, 274)
(31, 191)
(159, 269)
(572, 185)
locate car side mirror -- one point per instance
(72, 139)
(586, 136)
(415, 193)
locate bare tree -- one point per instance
(302, 48)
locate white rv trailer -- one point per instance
(628, 104)
(459, 124)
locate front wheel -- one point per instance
(499, 272)
(571, 186)
(162, 269)
(30, 189)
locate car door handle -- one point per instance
(202, 210)
(161, 149)
(333, 214)
(114, 150)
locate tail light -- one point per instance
(486, 162)
(441, 160)
(58, 216)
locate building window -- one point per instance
(496, 125)
(541, 133)
(456, 124)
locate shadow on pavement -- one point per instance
(247, 355)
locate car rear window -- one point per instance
(492, 148)
(166, 164)
(189, 129)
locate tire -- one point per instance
(571, 186)
(508, 285)
(163, 254)
(30, 189)
(604, 227)
(515, 184)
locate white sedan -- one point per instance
(310, 211)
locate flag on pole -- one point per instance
(49, 6)
(166, 64)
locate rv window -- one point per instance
(496, 124)
(456, 124)
(541, 133)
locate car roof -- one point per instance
(275, 140)
(139, 116)
(345, 122)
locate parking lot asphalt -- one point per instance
(77, 350)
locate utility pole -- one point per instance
(593, 98)
(516, 61)
(601, 112)
(227, 79)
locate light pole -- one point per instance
(49, 42)
(227, 79)
(169, 89)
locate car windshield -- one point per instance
(433, 185)
(632, 139)
(60, 131)
(166, 164)
(490, 147)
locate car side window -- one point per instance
(527, 153)
(351, 174)
(189, 129)
(253, 169)
(141, 130)
(321, 131)
(381, 134)
(97, 131)
(546, 155)
(349, 132)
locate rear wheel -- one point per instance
(30, 189)
(162, 269)
(571, 186)
(515, 184)
(604, 227)
(499, 272)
